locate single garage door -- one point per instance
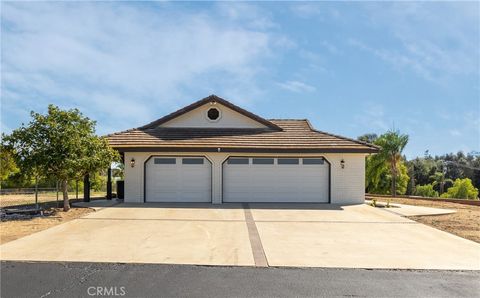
(178, 179)
(261, 179)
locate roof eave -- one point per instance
(155, 148)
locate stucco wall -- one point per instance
(347, 185)
(229, 119)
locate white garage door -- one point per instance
(178, 179)
(276, 180)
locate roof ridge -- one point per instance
(342, 137)
(205, 100)
(286, 119)
(211, 128)
(199, 103)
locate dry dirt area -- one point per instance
(14, 229)
(464, 223)
(24, 199)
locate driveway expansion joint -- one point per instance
(162, 219)
(255, 241)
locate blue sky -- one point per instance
(351, 68)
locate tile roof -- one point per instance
(295, 135)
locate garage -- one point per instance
(271, 179)
(214, 151)
(178, 179)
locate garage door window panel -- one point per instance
(164, 161)
(262, 161)
(287, 161)
(192, 161)
(313, 161)
(238, 161)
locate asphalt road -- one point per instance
(21, 279)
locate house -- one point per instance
(214, 151)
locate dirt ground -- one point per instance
(14, 229)
(464, 223)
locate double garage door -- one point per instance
(245, 179)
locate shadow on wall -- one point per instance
(283, 206)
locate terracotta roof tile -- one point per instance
(294, 134)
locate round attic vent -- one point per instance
(213, 114)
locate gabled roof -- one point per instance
(208, 99)
(295, 135)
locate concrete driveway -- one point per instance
(305, 235)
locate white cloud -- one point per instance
(396, 58)
(330, 47)
(373, 115)
(435, 40)
(306, 9)
(314, 9)
(454, 132)
(296, 86)
(247, 13)
(112, 60)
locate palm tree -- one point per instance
(440, 180)
(392, 144)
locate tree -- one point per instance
(98, 182)
(61, 144)
(8, 167)
(411, 174)
(439, 179)
(368, 138)
(462, 189)
(426, 191)
(392, 144)
(423, 169)
(379, 178)
(118, 170)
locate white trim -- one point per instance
(219, 114)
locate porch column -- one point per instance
(86, 188)
(109, 183)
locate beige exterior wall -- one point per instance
(228, 119)
(347, 185)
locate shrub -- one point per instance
(98, 182)
(426, 191)
(462, 189)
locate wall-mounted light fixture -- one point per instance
(132, 162)
(342, 163)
